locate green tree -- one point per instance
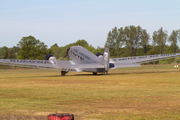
(3, 52)
(32, 48)
(98, 50)
(145, 37)
(137, 39)
(6, 54)
(120, 41)
(56, 51)
(16, 51)
(82, 42)
(115, 41)
(90, 48)
(159, 39)
(132, 38)
(173, 39)
(111, 41)
(11, 54)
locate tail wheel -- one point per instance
(106, 72)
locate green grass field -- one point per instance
(144, 93)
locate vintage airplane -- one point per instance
(82, 60)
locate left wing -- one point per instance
(49, 64)
(27, 63)
(138, 60)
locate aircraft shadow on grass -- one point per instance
(119, 73)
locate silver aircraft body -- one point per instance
(82, 60)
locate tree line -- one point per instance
(122, 42)
(132, 41)
(32, 48)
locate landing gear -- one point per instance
(106, 72)
(94, 73)
(63, 73)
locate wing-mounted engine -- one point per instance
(52, 59)
(55, 64)
(99, 55)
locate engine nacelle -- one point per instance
(48, 56)
(99, 55)
(111, 65)
(51, 58)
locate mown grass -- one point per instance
(147, 92)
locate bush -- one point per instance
(167, 61)
(177, 60)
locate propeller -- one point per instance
(65, 56)
(66, 53)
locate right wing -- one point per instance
(138, 60)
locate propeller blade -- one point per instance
(65, 56)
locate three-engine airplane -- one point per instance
(82, 60)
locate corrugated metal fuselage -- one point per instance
(80, 55)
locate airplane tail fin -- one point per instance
(106, 59)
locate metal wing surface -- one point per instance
(138, 60)
(46, 64)
(42, 64)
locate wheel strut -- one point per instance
(63, 73)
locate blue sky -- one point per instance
(66, 21)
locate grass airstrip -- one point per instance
(143, 93)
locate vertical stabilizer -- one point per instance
(106, 60)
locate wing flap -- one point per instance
(120, 65)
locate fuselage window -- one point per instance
(76, 55)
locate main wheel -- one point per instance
(63, 73)
(94, 73)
